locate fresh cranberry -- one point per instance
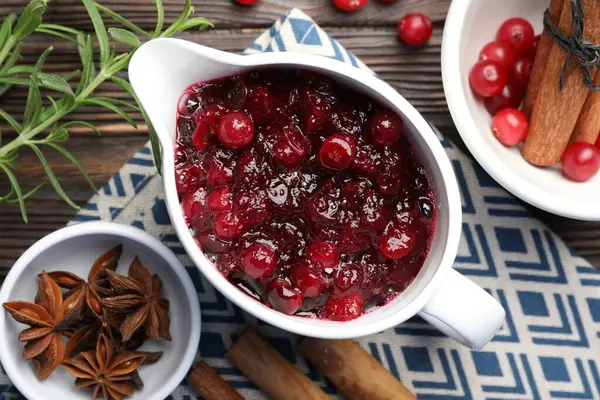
(396, 241)
(350, 5)
(284, 297)
(500, 52)
(510, 126)
(386, 127)
(348, 277)
(344, 308)
(517, 32)
(415, 29)
(307, 279)
(323, 254)
(246, 2)
(521, 70)
(510, 97)
(219, 199)
(533, 51)
(487, 78)
(236, 130)
(292, 148)
(260, 103)
(259, 261)
(337, 152)
(581, 161)
(228, 226)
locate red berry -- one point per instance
(344, 308)
(308, 280)
(259, 261)
(350, 5)
(210, 242)
(317, 111)
(188, 103)
(386, 127)
(337, 152)
(517, 32)
(260, 103)
(533, 51)
(521, 70)
(291, 148)
(187, 179)
(487, 78)
(510, 97)
(236, 130)
(510, 126)
(347, 277)
(246, 2)
(228, 226)
(323, 254)
(415, 29)
(396, 241)
(284, 297)
(219, 200)
(500, 52)
(206, 121)
(581, 161)
(192, 204)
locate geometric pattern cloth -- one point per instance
(548, 347)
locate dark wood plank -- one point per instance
(227, 14)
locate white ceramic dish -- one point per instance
(162, 69)
(469, 26)
(74, 249)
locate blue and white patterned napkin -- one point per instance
(548, 348)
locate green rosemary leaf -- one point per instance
(183, 16)
(87, 61)
(72, 75)
(33, 105)
(160, 18)
(119, 102)
(122, 20)
(125, 85)
(155, 143)
(15, 81)
(30, 19)
(27, 195)
(51, 177)
(61, 28)
(42, 59)
(59, 34)
(6, 28)
(11, 121)
(200, 22)
(84, 123)
(56, 136)
(100, 29)
(12, 59)
(55, 82)
(125, 37)
(111, 107)
(15, 188)
(76, 163)
(4, 88)
(20, 69)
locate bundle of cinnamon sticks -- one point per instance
(557, 117)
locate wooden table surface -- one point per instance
(369, 33)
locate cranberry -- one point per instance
(347, 278)
(316, 110)
(347, 120)
(510, 126)
(253, 206)
(219, 200)
(236, 130)
(581, 161)
(518, 33)
(284, 297)
(415, 29)
(337, 152)
(307, 279)
(210, 242)
(323, 254)
(510, 97)
(193, 203)
(500, 52)
(533, 51)
(350, 5)
(386, 127)
(344, 308)
(487, 78)
(259, 261)
(260, 103)
(188, 103)
(396, 241)
(219, 168)
(206, 121)
(521, 70)
(228, 226)
(187, 179)
(246, 2)
(367, 160)
(292, 148)
(389, 182)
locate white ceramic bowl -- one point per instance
(74, 249)
(162, 69)
(469, 26)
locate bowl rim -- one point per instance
(489, 160)
(278, 319)
(118, 230)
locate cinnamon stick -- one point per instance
(270, 371)
(354, 371)
(210, 385)
(588, 124)
(541, 58)
(555, 113)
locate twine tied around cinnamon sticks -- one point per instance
(585, 52)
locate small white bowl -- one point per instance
(469, 26)
(74, 249)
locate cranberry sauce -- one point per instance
(304, 193)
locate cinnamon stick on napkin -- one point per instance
(555, 113)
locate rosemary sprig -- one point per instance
(41, 127)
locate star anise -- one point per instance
(112, 375)
(138, 295)
(47, 318)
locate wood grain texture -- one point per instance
(370, 34)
